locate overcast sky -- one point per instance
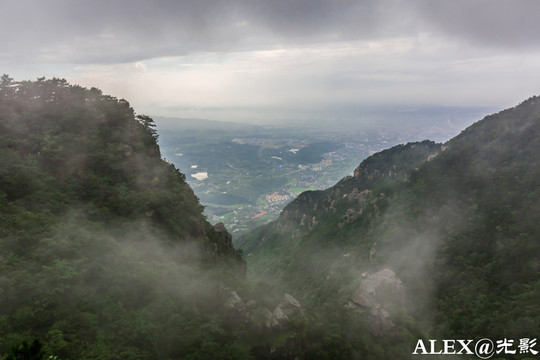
(234, 59)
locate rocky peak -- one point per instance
(221, 243)
(224, 238)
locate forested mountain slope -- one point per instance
(453, 228)
(105, 253)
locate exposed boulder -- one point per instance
(350, 216)
(127, 149)
(363, 298)
(288, 309)
(380, 287)
(234, 302)
(290, 301)
(384, 278)
(280, 316)
(360, 196)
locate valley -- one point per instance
(270, 180)
(246, 174)
(107, 253)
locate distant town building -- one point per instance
(259, 215)
(275, 197)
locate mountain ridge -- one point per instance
(106, 253)
(105, 250)
(457, 226)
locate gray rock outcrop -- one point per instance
(234, 302)
(288, 309)
(380, 287)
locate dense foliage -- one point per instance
(458, 223)
(488, 265)
(105, 253)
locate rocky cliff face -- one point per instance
(220, 244)
(348, 199)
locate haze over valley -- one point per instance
(245, 174)
(269, 180)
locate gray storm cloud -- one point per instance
(499, 23)
(121, 31)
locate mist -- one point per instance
(414, 240)
(106, 249)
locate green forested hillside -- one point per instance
(487, 265)
(457, 224)
(105, 253)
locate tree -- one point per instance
(26, 351)
(6, 80)
(148, 123)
